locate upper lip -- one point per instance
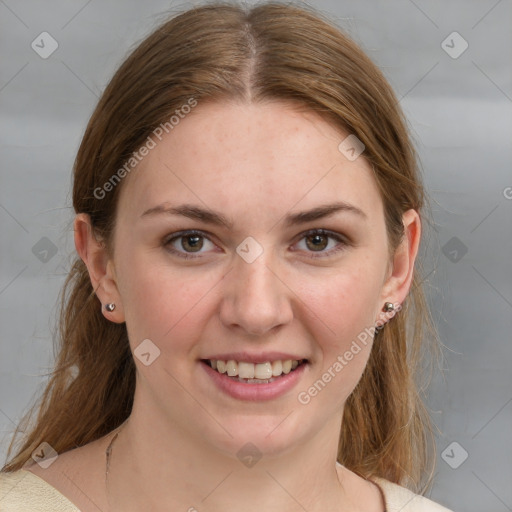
(255, 358)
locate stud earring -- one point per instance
(388, 306)
(110, 307)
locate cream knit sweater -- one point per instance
(22, 491)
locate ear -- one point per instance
(399, 279)
(100, 266)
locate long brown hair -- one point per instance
(227, 52)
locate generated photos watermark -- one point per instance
(143, 151)
(305, 397)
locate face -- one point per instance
(246, 234)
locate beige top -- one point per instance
(22, 491)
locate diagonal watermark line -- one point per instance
(85, 494)
(13, 218)
(12, 280)
(305, 194)
(217, 486)
(406, 504)
(176, 323)
(286, 491)
(8, 417)
(493, 287)
(176, 380)
(13, 13)
(491, 491)
(199, 403)
(432, 225)
(423, 279)
(74, 16)
(503, 407)
(176, 176)
(280, 423)
(79, 79)
(418, 82)
(424, 13)
(333, 332)
(491, 80)
(482, 18)
(492, 211)
(14, 486)
(16, 74)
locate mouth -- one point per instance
(255, 373)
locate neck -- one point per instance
(156, 466)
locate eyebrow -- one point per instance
(218, 219)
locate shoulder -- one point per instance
(22, 491)
(398, 498)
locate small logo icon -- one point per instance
(249, 455)
(454, 455)
(147, 352)
(351, 147)
(454, 45)
(454, 249)
(44, 250)
(249, 249)
(44, 45)
(44, 455)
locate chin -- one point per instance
(260, 436)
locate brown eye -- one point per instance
(188, 243)
(192, 243)
(317, 242)
(320, 243)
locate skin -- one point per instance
(254, 164)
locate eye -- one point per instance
(318, 240)
(186, 243)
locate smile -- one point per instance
(259, 373)
(288, 372)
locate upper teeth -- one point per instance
(254, 371)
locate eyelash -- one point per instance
(343, 242)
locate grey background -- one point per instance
(459, 110)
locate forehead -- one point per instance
(250, 157)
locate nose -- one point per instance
(255, 297)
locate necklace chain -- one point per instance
(108, 454)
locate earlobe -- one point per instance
(94, 254)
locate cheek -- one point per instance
(344, 302)
(344, 309)
(160, 303)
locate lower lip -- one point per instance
(255, 392)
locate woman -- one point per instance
(242, 327)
